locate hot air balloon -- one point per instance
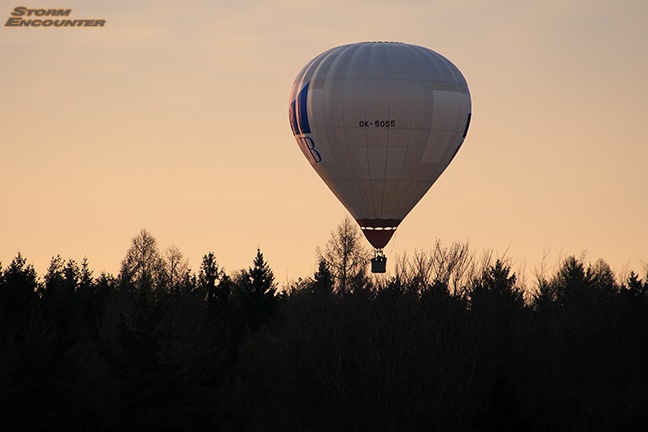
(379, 122)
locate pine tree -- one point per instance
(323, 278)
(213, 282)
(257, 292)
(18, 287)
(261, 277)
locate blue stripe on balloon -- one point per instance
(299, 113)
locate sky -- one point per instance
(173, 117)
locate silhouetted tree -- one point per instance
(260, 277)
(18, 287)
(497, 289)
(497, 307)
(323, 280)
(346, 257)
(603, 278)
(450, 267)
(256, 290)
(88, 299)
(54, 285)
(86, 280)
(19, 330)
(214, 284)
(143, 266)
(572, 283)
(59, 302)
(175, 271)
(635, 286)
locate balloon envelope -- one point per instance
(379, 122)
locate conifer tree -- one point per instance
(213, 282)
(257, 290)
(323, 278)
(260, 277)
(18, 286)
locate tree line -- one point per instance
(449, 342)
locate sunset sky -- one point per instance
(173, 117)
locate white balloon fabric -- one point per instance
(379, 122)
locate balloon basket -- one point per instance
(379, 262)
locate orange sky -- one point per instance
(173, 118)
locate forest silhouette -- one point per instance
(448, 342)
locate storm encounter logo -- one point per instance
(21, 16)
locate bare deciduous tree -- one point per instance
(345, 255)
(176, 267)
(451, 267)
(143, 265)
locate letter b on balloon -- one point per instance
(300, 125)
(308, 147)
